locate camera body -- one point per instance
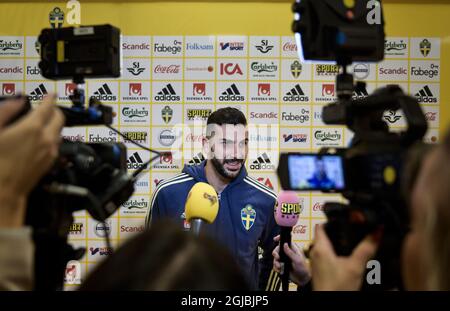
(369, 173)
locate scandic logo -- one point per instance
(135, 162)
(38, 93)
(327, 136)
(167, 94)
(230, 69)
(295, 94)
(262, 163)
(232, 46)
(136, 70)
(8, 89)
(104, 93)
(9, 70)
(231, 94)
(425, 95)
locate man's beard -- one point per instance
(221, 169)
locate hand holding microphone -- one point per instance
(287, 212)
(202, 206)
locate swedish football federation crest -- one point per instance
(56, 18)
(425, 47)
(248, 216)
(166, 114)
(296, 69)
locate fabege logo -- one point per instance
(70, 89)
(263, 89)
(431, 72)
(135, 89)
(136, 70)
(199, 89)
(230, 69)
(8, 89)
(232, 46)
(328, 89)
(170, 49)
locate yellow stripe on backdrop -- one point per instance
(409, 18)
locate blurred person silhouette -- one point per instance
(164, 258)
(320, 180)
(425, 257)
(28, 148)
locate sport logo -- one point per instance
(426, 96)
(392, 116)
(198, 114)
(230, 69)
(199, 89)
(140, 137)
(231, 94)
(328, 89)
(425, 47)
(232, 46)
(166, 114)
(199, 158)
(104, 93)
(8, 89)
(296, 69)
(135, 89)
(135, 162)
(167, 94)
(264, 47)
(295, 138)
(136, 70)
(295, 94)
(38, 93)
(327, 70)
(263, 89)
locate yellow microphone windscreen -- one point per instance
(202, 202)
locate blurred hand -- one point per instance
(28, 149)
(300, 272)
(331, 272)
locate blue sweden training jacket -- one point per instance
(244, 222)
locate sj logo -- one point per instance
(248, 216)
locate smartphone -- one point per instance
(311, 172)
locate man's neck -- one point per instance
(217, 181)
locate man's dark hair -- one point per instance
(228, 115)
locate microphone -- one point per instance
(287, 212)
(202, 206)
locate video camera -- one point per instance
(368, 173)
(86, 176)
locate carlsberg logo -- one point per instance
(135, 204)
(324, 136)
(259, 67)
(9, 45)
(132, 113)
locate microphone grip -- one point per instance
(196, 225)
(285, 237)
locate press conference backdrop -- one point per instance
(183, 61)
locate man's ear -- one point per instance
(206, 146)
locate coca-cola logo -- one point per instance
(167, 69)
(191, 138)
(290, 47)
(318, 207)
(299, 229)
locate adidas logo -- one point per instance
(360, 94)
(231, 94)
(167, 94)
(134, 162)
(199, 158)
(425, 96)
(38, 93)
(296, 95)
(262, 163)
(104, 93)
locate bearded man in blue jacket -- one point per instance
(245, 221)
